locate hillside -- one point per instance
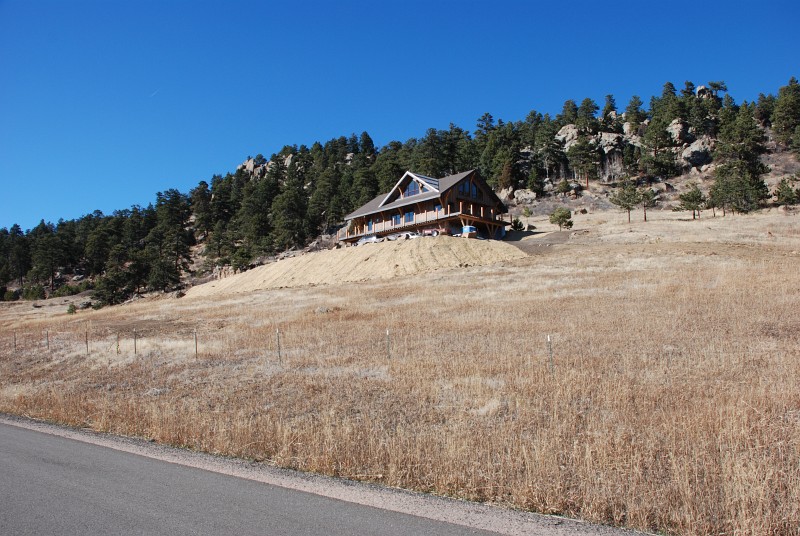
(674, 354)
(580, 157)
(386, 260)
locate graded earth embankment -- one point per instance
(385, 260)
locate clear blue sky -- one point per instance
(104, 103)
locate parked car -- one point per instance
(436, 231)
(371, 239)
(406, 235)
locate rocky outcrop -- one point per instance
(524, 197)
(690, 153)
(506, 195)
(612, 146)
(568, 135)
(257, 171)
(698, 153)
(679, 132)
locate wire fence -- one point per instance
(283, 347)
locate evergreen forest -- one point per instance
(267, 206)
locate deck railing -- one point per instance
(387, 227)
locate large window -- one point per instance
(411, 189)
(409, 217)
(396, 219)
(474, 191)
(369, 226)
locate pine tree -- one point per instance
(608, 120)
(561, 217)
(584, 159)
(569, 113)
(201, 207)
(549, 150)
(585, 117)
(634, 115)
(658, 158)
(169, 242)
(786, 114)
(765, 106)
(46, 253)
(785, 194)
(647, 200)
(693, 200)
(626, 197)
(288, 215)
(738, 177)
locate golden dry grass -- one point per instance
(672, 405)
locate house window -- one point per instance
(474, 191)
(437, 208)
(396, 219)
(369, 226)
(423, 189)
(409, 217)
(411, 189)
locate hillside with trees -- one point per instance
(267, 206)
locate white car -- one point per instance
(371, 239)
(407, 235)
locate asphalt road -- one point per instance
(55, 485)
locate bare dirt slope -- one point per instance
(386, 260)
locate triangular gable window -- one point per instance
(408, 185)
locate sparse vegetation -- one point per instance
(685, 424)
(561, 217)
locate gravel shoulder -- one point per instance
(470, 515)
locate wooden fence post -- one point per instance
(195, 343)
(134, 341)
(278, 339)
(550, 351)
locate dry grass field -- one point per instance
(671, 402)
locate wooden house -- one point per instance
(427, 205)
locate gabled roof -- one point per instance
(437, 188)
(430, 183)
